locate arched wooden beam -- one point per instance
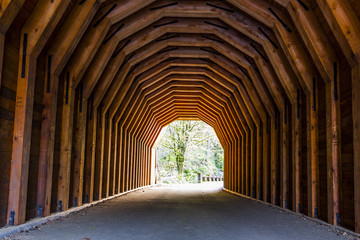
(178, 51)
(200, 87)
(315, 39)
(233, 116)
(197, 71)
(8, 11)
(173, 41)
(205, 98)
(205, 102)
(255, 5)
(280, 65)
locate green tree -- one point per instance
(186, 148)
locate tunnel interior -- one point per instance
(87, 86)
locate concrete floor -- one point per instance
(182, 212)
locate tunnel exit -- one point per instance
(187, 152)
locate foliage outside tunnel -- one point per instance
(185, 149)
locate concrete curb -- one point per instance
(32, 224)
(337, 229)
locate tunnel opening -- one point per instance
(188, 151)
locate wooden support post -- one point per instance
(259, 165)
(2, 43)
(112, 158)
(243, 165)
(89, 173)
(22, 137)
(79, 154)
(233, 169)
(356, 128)
(133, 159)
(238, 169)
(118, 156)
(47, 142)
(105, 155)
(273, 161)
(333, 147)
(285, 158)
(140, 167)
(230, 166)
(296, 154)
(65, 145)
(253, 163)
(266, 160)
(127, 162)
(123, 161)
(247, 163)
(136, 166)
(312, 153)
(98, 160)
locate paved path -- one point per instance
(182, 212)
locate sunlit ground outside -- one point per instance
(185, 149)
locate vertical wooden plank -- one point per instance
(234, 164)
(248, 162)
(273, 161)
(266, 157)
(112, 156)
(236, 167)
(285, 157)
(22, 136)
(259, 165)
(243, 165)
(118, 155)
(89, 173)
(333, 148)
(355, 71)
(313, 155)
(98, 160)
(79, 154)
(141, 164)
(230, 166)
(105, 155)
(296, 154)
(123, 162)
(65, 145)
(2, 44)
(127, 162)
(133, 157)
(47, 141)
(239, 154)
(253, 162)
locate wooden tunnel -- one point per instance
(87, 86)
